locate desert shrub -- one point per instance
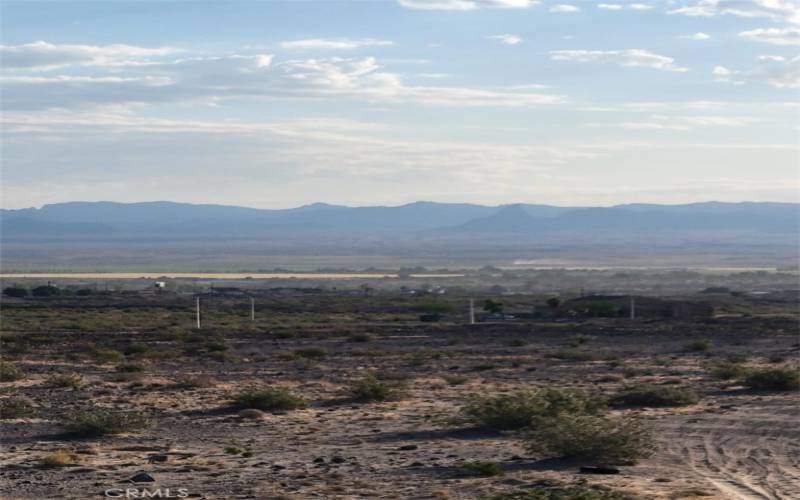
(484, 367)
(371, 389)
(455, 379)
(45, 291)
(779, 379)
(15, 291)
(422, 357)
(251, 414)
(654, 396)
(60, 458)
(16, 407)
(359, 337)
(517, 343)
(516, 410)
(728, 371)
(126, 377)
(310, 352)
(483, 469)
(9, 372)
(699, 346)
(572, 355)
(97, 422)
(552, 490)
(130, 368)
(595, 438)
(269, 399)
(136, 350)
(194, 382)
(776, 357)
(71, 380)
(223, 356)
(104, 355)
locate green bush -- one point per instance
(594, 438)
(655, 396)
(72, 380)
(552, 490)
(483, 469)
(699, 346)
(310, 352)
(130, 368)
(9, 372)
(371, 389)
(45, 291)
(104, 355)
(101, 421)
(269, 399)
(517, 410)
(779, 379)
(359, 337)
(16, 407)
(15, 291)
(728, 371)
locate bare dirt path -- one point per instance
(748, 451)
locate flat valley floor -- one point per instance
(141, 355)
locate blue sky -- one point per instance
(281, 103)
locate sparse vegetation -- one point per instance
(518, 409)
(269, 399)
(553, 490)
(699, 346)
(728, 371)
(595, 438)
(778, 379)
(482, 469)
(60, 458)
(310, 352)
(370, 389)
(194, 382)
(9, 372)
(655, 396)
(66, 380)
(98, 421)
(16, 407)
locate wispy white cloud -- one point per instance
(564, 8)
(334, 44)
(215, 79)
(699, 36)
(635, 58)
(776, 10)
(773, 36)
(506, 39)
(466, 4)
(620, 6)
(43, 55)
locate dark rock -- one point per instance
(416, 464)
(142, 477)
(599, 470)
(338, 460)
(408, 447)
(319, 460)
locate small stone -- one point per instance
(338, 460)
(142, 477)
(408, 447)
(319, 460)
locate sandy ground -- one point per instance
(734, 444)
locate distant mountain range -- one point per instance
(424, 219)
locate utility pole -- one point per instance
(471, 311)
(252, 309)
(198, 312)
(633, 307)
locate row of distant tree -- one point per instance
(43, 291)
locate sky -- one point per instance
(277, 104)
